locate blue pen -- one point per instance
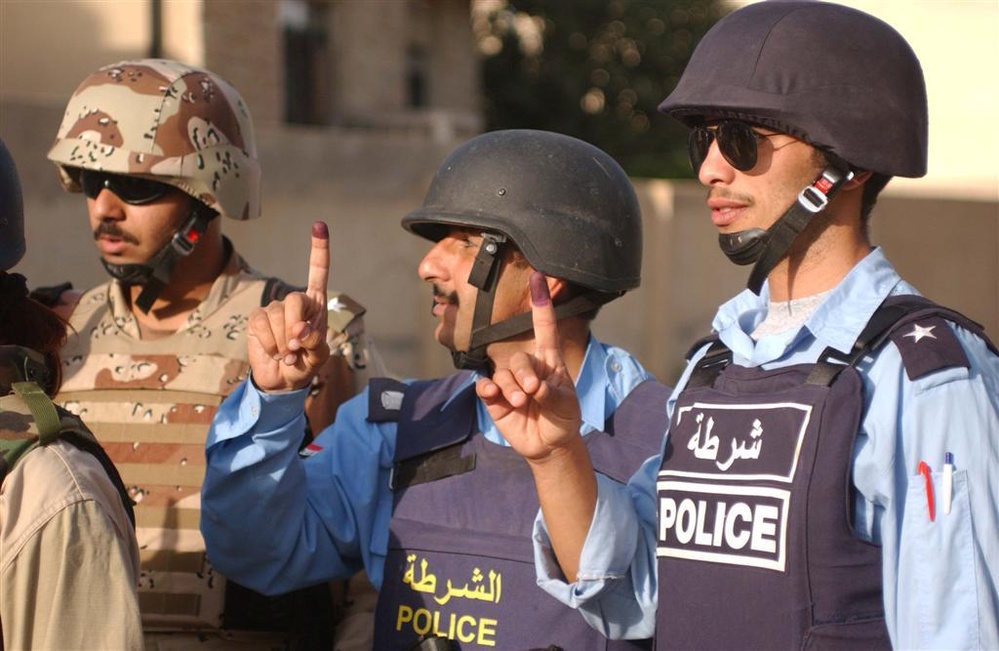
(948, 481)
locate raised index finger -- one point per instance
(545, 324)
(319, 263)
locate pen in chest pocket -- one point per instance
(924, 470)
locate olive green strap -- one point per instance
(46, 417)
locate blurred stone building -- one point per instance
(356, 102)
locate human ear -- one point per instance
(859, 178)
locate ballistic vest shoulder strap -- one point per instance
(926, 347)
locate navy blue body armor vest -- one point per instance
(460, 557)
(755, 542)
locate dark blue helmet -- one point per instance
(833, 76)
(11, 212)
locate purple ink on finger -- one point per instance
(539, 290)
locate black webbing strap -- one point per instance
(783, 232)
(714, 361)
(831, 362)
(430, 466)
(485, 270)
(483, 276)
(523, 322)
(180, 246)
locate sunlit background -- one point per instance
(357, 102)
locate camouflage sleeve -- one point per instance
(352, 363)
(348, 339)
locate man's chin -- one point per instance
(446, 339)
(119, 259)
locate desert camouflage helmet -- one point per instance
(11, 212)
(166, 121)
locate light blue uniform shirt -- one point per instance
(940, 578)
(275, 522)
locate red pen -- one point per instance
(924, 470)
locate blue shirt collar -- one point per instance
(864, 288)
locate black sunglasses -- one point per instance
(737, 142)
(132, 190)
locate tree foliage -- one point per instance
(596, 70)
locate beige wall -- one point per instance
(363, 180)
(957, 42)
(48, 46)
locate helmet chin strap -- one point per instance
(484, 276)
(768, 247)
(485, 271)
(154, 274)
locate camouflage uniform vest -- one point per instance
(150, 403)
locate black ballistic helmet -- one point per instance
(11, 212)
(566, 205)
(835, 77)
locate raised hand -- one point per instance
(286, 340)
(533, 402)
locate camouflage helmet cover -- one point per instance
(166, 121)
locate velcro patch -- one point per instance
(385, 399)
(928, 345)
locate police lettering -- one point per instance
(715, 523)
(463, 628)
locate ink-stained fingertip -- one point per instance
(539, 290)
(320, 230)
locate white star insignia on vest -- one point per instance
(918, 332)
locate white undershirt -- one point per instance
(787, 315)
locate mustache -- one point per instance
(111, 229)
(450, 297)
(729, 195)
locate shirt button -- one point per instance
(616, 367)
(253, 411)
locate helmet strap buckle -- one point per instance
(181, 245)
(486, 265)
(483, 276)
(767, 248)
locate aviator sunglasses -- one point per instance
(737, 142)
(132, 190)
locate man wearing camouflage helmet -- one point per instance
(413, 482)
(160, 150)
(69, 563)
(828, 478)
